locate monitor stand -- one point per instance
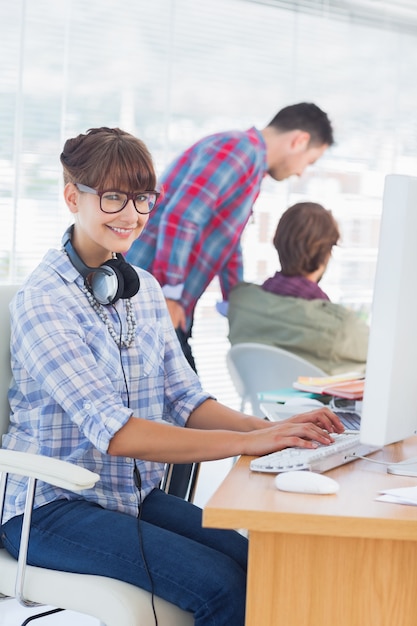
(404, 468)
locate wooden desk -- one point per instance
(338, 560)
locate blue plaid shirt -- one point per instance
(69, 396)
(194, 233)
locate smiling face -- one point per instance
(100, 160)
(96, 234)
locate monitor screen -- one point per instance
(389, 411)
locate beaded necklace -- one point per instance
(121, 341)
(124, 341)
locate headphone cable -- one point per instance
(138, 483)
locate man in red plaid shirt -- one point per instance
(208, 195)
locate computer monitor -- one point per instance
(389, 411)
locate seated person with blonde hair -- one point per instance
(290, 310)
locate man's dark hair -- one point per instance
(307, 117)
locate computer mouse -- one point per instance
(302, 481)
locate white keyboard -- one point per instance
(345, 448)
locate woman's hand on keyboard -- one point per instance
(323, 417)
(305, 430)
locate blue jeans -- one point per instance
(201, 570)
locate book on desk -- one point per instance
(349, 386)
(346, 386)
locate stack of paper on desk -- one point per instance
(402, 495)
(350, 385)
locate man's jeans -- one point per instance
(202, 570)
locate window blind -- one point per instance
(172, 71)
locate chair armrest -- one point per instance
(49, 470)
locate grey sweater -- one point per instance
(328, 335)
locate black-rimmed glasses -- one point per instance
(114, 201)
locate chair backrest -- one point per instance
(6, 294)
(256, 367)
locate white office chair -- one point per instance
(111, 601)
(256, 367)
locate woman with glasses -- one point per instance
(100, 380)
